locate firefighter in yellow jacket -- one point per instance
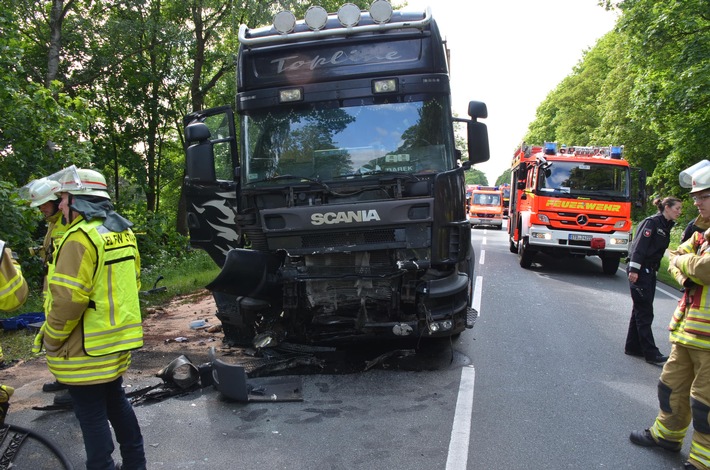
(93, 318)
(684, 386)
(42, 194)
(13, 288)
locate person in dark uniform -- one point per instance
(698, 224)
(649, 245)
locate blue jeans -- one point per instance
(97, 405)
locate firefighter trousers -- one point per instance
(639, 339)
(684, 394)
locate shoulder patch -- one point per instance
(647, 232)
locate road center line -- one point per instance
(461, 428)
(482, 258)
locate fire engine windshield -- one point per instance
(326, 142)
(586, 180)
(487, 199)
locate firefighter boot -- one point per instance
(644, 438)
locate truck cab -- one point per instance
(333, 198)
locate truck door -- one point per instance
(211, 184)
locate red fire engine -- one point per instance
(572, 201)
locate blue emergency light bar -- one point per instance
(550, 148)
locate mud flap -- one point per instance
(232, 382)
(245, 272)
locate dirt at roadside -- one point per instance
(166, 335)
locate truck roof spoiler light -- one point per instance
(380, 13)
(349, 15)
(316, 18)
(290, 95)
(284, 22)
(388, 85)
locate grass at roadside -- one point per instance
(180, 277)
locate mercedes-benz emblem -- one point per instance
(582, 219)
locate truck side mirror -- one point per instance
(199, 156)
(478, 147)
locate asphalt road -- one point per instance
(541, 382)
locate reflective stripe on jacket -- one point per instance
(93, 313)
(13, 288)
(690, 324)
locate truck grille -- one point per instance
(370, 237)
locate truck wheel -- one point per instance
(610, 264)
(525, 254)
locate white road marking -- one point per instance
(477, 294)
(669, 294)
(461, 428)
(672, 295)
(482, 258)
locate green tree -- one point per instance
(475, 176)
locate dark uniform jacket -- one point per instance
(652, 238)
(696, 225)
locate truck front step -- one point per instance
(471, 317)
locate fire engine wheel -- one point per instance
(525, 253)
(610, 265)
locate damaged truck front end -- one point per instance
(340, 216)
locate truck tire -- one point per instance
(525, 254)
(610, 264)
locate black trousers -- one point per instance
(639, 339)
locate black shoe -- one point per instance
(62, 399)
(53, 386)
(644, 438)
(660, 359)
(633, 353)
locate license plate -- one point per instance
(579, 237)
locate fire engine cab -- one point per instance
(571, 201)
(486, 206)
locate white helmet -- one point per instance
(41, 190)
(697, 177)
(91, 183)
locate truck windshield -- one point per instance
(487, 199)
(588, 180)
(325, 142)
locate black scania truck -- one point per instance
(337, 210)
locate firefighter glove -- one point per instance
(39, 339)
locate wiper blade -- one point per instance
(283, 177)
(301, 179)
(394, 174)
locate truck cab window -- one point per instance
(325, 143)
